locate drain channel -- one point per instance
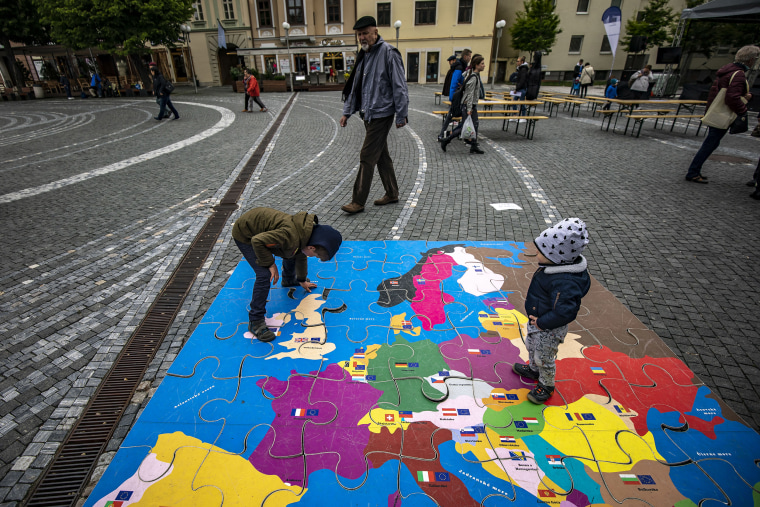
(72, 465)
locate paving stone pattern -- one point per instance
(83, 263)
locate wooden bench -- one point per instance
(552, 101)
(508, 116)
(638, 119)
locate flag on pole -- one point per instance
(611, 19)
(222, 40)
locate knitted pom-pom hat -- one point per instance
(563, 242)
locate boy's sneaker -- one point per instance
(524, 371)
(261, 331)
(540, 394)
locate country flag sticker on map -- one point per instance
(358, 378)
(433, 477)
(359, 355)
(302, 412)
(637, 479)
(436, 380)
(406, 415)
(390, 418)
(360, 367)
(498, 396)
(521, 424)
(507, 439)
(400, 365)
(407, 324)
(124, 495)
(580, 417)
(463, 411)
(512, 397)
(449, 412)
(443, 374)
(112, 503)
(467, 432)
(554, 459)
(530, 420)
(371, 378)
(597, 370)
(620, 410)
(420, 281)
(545, 493)
(518, 455)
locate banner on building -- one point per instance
(222, 39)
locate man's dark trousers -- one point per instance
(375, 153)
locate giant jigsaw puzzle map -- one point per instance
(391, 385)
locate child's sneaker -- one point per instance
(524, 371)
(540, 394)
(261, 331)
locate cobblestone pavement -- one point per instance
(99, 201)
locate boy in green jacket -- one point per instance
(263, 233)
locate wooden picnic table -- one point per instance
(630, 105)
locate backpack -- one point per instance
(456, 100)
(168, 87)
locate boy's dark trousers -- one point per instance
(261, 286)
(166, 102)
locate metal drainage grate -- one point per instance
(67, 474)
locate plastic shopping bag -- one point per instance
(468, 130)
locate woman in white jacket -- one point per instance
(587, 78)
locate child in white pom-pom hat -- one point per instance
(553, 301)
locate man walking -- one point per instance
(447, 82)
(376, 90)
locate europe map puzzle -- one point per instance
(391, 385)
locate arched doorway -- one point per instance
(227, 59)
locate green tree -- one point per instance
(124, 27)
(536, 28)
(656, 22)
(19, 22)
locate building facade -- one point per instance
(433, 30)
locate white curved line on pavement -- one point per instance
(414, 195)
(227, 118)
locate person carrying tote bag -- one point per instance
(728, 98)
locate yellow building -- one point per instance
(433, 30)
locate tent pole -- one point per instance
(662, 83)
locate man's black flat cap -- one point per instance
(364, 22)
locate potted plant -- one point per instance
(273, 83)
(237, 79)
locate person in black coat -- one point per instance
(162, 91)
(447, 82)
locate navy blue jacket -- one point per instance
(555, 297)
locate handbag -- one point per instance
(740, 125)
(719, 115)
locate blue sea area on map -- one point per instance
(735, 447)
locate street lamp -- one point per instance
(186, 29)
(499, 25)
(286, 27)
(397, 24)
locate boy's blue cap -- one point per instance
(613, 81)
(326, 237)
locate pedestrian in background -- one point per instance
(610, 92)
(64, 80)
(639, 83)
(96, 87)
(470, 99)
(587, 78)
(262, 234)
(252, 90)
(376, 89)
(731, 77)
(162, 89)
(447, 81)
(553, 300)
(521, 85)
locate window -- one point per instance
(424, 13)
(576, 41)
(265, 12)
(384, 14)
(465, 11)
(229, 11)
(333, 11)
(197, 11)
(582, 7)
(606, 48)
(295, 12)
(616, 3)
